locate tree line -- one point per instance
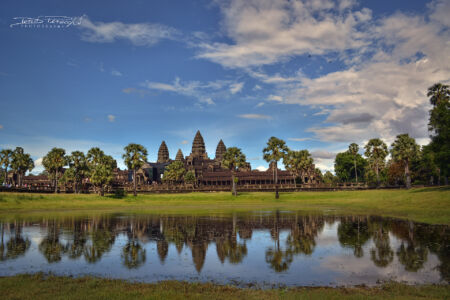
(408, 161)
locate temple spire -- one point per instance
(198, 145)
(220, 150)
(163, 153)
(180, 156)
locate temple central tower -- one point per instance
(198, 146)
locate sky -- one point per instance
(319, 74)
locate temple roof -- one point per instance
(180, 155)
(220, 150)
(163, 153)
(198, 145)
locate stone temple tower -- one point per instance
(220, 150)
(163, 153)
(180, 156)
(198, 146)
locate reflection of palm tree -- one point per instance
(353, 235)
(101, 242)
(51, 247)
(278, 259)
(382, 255)
(231, 249)
(163, 249)
(17, 245)
(75, 248)
(412, 257)
(133, 255)
(2, 246)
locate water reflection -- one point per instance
(265, 244)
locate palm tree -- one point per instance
(233, 159)
(54, 162)
(376, 152)
(78, 164)
(134, 157)
(298, 162)
(404, 149)
(101, 168)
(276, 149)
(438, 93)
(21, 163)
(353, 150)
(5, 161)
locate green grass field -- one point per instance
(429, 205)
(51, 287)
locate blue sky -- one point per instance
(319, 74)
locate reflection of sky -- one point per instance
(329, 264)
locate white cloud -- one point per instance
(299, 139)
(140, 34)
(260, 104)
(116, 73)
(255, 116)
(261, 168)
(236, 87)
(269, 31)
(256, 87)
(184, 142)
(275, 98)
(111, 118)
(38, 162)
(204, 92)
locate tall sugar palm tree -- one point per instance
(78, 164)
(135, 156)
(233, 159)
(21, 163)
(298, 162)
(101, 168)
(5, 161)
(276, 149)
(353, 150)
(54, 162)
(403, 150)
(376, 152)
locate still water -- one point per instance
(255, 249)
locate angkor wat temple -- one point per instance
(211, 172)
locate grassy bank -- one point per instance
(43, 287)
(430, 205)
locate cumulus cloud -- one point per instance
(140, 34)
(269, 31)
(261, 168)
(388, 62)
(255, 116)
(111, 118)
(299, 139)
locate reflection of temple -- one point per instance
(92, 238)
(210, 172)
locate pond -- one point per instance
(262, 249)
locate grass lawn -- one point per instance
(45, 287)
(429, 205)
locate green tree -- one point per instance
(233, 159)
(21, 163)
(134, 157)
(376, 152)
(54, 162)
(5, 161)
(329, 178)
(78, 168)
(344, 164)
(101, 168)
(439, 126)
(174, 172)
(353, 150)
(276, 149)
(189, 178)
(298, 162)
(403, 150)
